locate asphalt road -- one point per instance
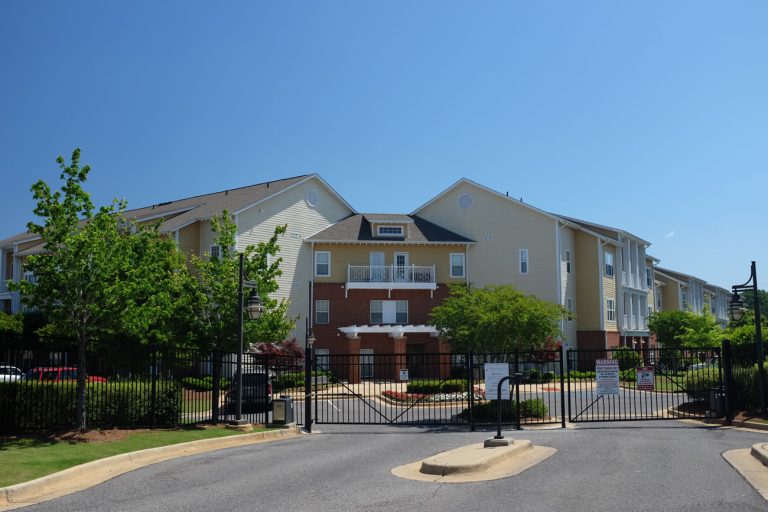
(642, 466)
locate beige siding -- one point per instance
(670, 298)
(343, 255)
(189, 239)
(207, 238)
(501, 227)
(258, 223)
(610, 288)
(587, 282)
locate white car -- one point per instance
(10, 373)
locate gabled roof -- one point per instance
(608, 231)
(679, 276)
(565, 220)
(182, 212)
(357, 228)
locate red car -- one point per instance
(58, 374)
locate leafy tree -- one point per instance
(496, 318)
(11, 324)
(218, 280)
(77, 273)
(685, 329)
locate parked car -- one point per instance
(257, 392)
(10, 373)
(58, 374)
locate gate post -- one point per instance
(308, 388)
(471, 387)
(568, 370)
(727, 367)
(560, 354)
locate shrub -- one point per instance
(295, 379)
(548, 377)
(486, 411)
(698, 383)
(577, 375)
(629, 375)
(427, 386)
(534, 375)
(203, 383)
(627, 358)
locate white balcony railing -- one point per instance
(631, 280)
(635, 323)
(391, 274)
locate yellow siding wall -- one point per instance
(587, 282)
(189, 239)
(501, 227)
(609, 289)
(670, 297)
(258, 224)
(343, 255)
(568, 280)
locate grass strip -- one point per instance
(28, 458)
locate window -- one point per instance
(648, 278)
(610, 310)
(323, 358)
(390, 231)
(321, 312)
(322, 263)
(312, 198)
(569, 307)
(658, 302)
(30, 277)
(650, 311)
(465, 201)
(523, 261)
(215, 251)
(608, 264)
(568, 261)
(457, 264)
(389, 312)
(685, 300)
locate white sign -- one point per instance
(403, 374)
(607, 376)
(645, 378)
(494, 372)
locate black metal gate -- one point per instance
(432, 389)
(649, 384)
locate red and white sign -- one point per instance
(645, 378)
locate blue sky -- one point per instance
(648, 116)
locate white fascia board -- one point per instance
(301, 182)
(666, 276)
(609, 228)
(158, 215)
(384, 242)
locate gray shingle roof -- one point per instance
(357, 228)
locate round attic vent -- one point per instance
(465, 201)
(312, 197)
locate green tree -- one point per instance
(77, 274)
(496, 318)
(685, 329)
(11, 324)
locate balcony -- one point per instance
(391, 277)
(635, 281)
(634, 323)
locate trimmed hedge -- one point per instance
(698, 383)
(431, 386)
(203, 383)
(295, 379)
(536, 376)
(577, 375)
(52, 405)
(486, 411)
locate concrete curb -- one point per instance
(760, 452)
(95, 472)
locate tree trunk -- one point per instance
(81, 381)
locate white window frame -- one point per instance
(379, 310)
(567, 261)
(462, 256)
(610, 310)
(658, 301)
(322, 306)
(609, 268)
(318, 253)
(401, 308)
(648, 277)
(524, 265)
(399, 231)
(323, 358)
(376, 307)
(215, 249)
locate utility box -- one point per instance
(717, 401)
(282, 410)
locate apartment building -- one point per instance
(376, 279)
(684, 292)
(307, 204)
(598, 273)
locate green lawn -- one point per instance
(27, 458)
(667, 384)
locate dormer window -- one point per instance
(390, 231)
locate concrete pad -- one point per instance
(476, 463)
(760, 452)
(751, 468)
(92, 473)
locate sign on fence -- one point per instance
(645, 378)
(404, 374)
(494, 372)
(607, 376)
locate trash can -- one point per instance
(717, 401)
(282, 410)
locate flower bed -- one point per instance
(409, 398)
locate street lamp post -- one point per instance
(310, 340)
(254, 309)
(736, 312)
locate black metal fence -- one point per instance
(648, 384)
(139, 386)
(434, 388)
